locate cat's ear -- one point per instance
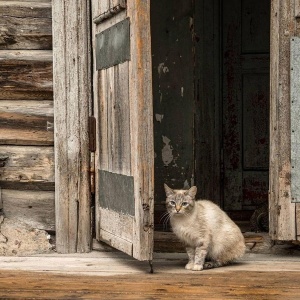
(168, 190)
(192, 192)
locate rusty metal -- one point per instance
(92, 134)
(109, 13)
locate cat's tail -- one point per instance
(214, 264)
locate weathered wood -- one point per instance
(103, 7)
(26, 74)
(25, 25)
(25, 167)
(26, 122)
(117, 224)
(245, 103)
(298, 221)
(297, 8)
(122, 116)
(141, 127)
(104, 90)
(295, 125)
(35, 208)
(72, 90)
(282, 211)
(262, 282)
(114, 117)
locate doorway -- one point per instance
(211, 102)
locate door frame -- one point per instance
(72, 160)
(72, 107)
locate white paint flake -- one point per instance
(162, 69)
(167, 151)
(159, 117)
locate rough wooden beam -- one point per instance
(25, 25)
(282, 211)
(26, 74)
(72, 96)
(35, 208)
(26, 122)
(141, 124)
(26, 166)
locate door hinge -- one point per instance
(92, 134)
(92, 147)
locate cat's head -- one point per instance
(180, 202)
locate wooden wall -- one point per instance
(26, 112)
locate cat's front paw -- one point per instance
(197, 267)
(189, 266)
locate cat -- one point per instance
(212, 239)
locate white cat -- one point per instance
(212, 239)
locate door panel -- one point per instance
(245, 44)
(123, 110)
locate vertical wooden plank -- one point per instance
(71, 109)
(122, 120)
(141, 121)
(297, 8)
(295, 125)
(282, 211)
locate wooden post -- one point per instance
(72, 98)
(282, 211)
(141, 118)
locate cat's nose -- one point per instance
(177, 208)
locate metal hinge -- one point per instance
(92, 147)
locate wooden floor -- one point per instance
(116, 276)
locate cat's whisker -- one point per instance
(164, 215)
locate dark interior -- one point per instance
(211, 104)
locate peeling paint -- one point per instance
(159, 117)
(182, 89)
(186, 185)
(167, 151)
(162, 69)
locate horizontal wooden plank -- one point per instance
(26, 165)
(26, 122)
(116, 242)
(25, 25)
(26, 75)
(35, 208)
(116, 224)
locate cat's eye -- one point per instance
(185, 204)
(172, 203)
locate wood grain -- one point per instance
(141, 124)
(232, 285)
(25, 167)
(282, 211)
(26, 122)
(25, 25)
(72, 90)
(26, 74)
(35, 208)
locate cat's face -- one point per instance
(180, 202)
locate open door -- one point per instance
(123, 110)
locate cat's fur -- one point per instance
(212, 239)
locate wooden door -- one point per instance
(123, 110)
(245, 42)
